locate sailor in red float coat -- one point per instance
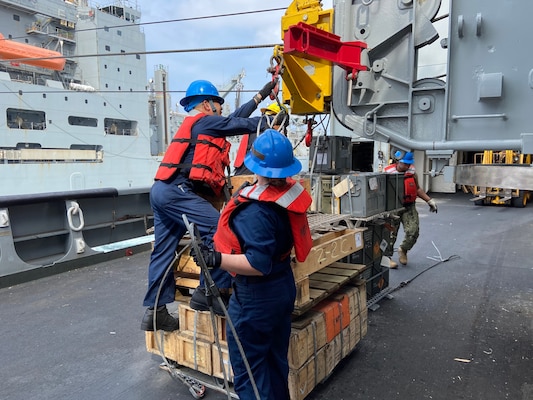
(175, 192)
(410, 184)
(257, 231)
(291, 197)
(408, 216)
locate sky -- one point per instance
(220, 67)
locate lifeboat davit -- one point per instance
(31, 55)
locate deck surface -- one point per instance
(457, 329)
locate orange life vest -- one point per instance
(211, 156)
(292, 197)
(409, 183)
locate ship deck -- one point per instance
(458, 326)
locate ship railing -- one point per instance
(111, 130)
(50, 31)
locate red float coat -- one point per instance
(409, 183)
(210, 159)
(291, 197)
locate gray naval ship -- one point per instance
(81, 133)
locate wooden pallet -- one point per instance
(321, 284)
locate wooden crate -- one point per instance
(186, 264)
(196, 323)
(328, 248)
(356, 295)
(161, 340)
(302, 292)
(305, 378)
(187, 283)
(325, 282)
(194, 353)
(221, 364)
(308, 334)
(221, 327)
(336, 314)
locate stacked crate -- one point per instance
(194, 345)
(319, 340)
(376, 240)
(328, 248)
(322, 337)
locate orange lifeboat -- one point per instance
(31, 55)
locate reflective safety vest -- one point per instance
(291, 197)
(409, 183)
(210, 159)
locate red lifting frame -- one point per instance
(307, 39)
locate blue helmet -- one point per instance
(398, 155)
(408, 158)
(199, 91)
(271, 156)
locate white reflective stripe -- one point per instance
(292, 194)
(255, 192)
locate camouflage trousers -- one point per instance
(411, 228)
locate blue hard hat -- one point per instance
(408, 158)
(271, 156)
(398, 155)
(201, 90)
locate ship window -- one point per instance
(26, 40)
(105, 66)
(82, 121)
(44, 95)
(119, 32)
(66, 98)
(107, 48)
(107, 85)
(118, 69)
(106, 28)
(25, 119)
(120, 127)
(86, 101)
(16, 17)
(119, 88)
(137, 56)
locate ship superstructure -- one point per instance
(79, 123)
(82, 127)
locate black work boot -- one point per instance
(199, 301)
(163, 320)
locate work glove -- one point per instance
(211, 257)
(432, 205)
(281, 118)
(267, 89)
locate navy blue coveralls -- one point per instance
(176, 196)
(261, 306)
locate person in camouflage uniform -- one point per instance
(408, 217)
